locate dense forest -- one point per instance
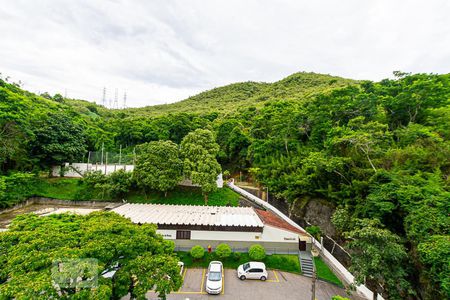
(379, 152)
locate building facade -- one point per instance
(240, 227)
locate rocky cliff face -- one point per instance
(315, 211)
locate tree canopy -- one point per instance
(33, 246)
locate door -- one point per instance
(251, 274)
(301, 245)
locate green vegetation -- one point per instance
(77, 189)
(197, 252)
(256, 252)
(378, 151)
(158, 166)
(337, 297)
(323, 272)
(144, 259)
(199, 151)
(223, 251)
(282, 262)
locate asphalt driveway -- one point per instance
(279, 286)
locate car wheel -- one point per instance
(263, 278)
(242, 277)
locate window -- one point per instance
(183, 235)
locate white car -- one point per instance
(214, 278)
(252, 270)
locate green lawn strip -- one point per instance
(74, 189)
(59, 188)
(282, 262)
(324, 272)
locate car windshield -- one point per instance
(214, 276)
(246, 266)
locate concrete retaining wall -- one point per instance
(51, 201)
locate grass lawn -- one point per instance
(283, 262)
(74, 189)
(323, 272)
(59, 188)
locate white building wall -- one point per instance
(269, 234)
(79, 169)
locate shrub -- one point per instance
(337, 297)
(236, 256)
(257, 252)
(197, 252)
(223, 251)
(314, 231)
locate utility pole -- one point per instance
(120, 155)
(313, 287)
(101, 161)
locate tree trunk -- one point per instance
(165, 194)
(206, 199)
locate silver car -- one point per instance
(214, 278)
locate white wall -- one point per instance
(269, 234)
(75, 169)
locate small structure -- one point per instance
(240, 227)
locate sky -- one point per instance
(162, 51)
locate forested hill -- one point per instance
(378, 152)
(298, 86)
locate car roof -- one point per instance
(256, 264)
(215, 266)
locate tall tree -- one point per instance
(378, 259)
(158, 166)
(57, 140)
(199, 151)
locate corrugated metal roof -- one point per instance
(190, 215)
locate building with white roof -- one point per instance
(240, 227)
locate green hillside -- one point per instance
(378, 152)
(298, 86)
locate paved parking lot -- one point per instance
(279, 286)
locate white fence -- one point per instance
(329, 259)
(79, 169)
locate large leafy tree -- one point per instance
(158, 166)
(31, 246)
(199, 151)
(378, 259)
(58, 139)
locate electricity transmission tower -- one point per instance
(116, 103)
(104, 97)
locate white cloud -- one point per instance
(163, 51)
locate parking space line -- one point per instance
(194, 293)
(223, 284)
(203, 280)
(276, 276)
(184, 275)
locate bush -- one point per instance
(197, 252)
(223, 251)
(314, 231)
(337, 297)
(236, 256)
(257, 252)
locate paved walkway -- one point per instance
(279, 286)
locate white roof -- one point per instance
(190, 215)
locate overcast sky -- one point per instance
(164, 51)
